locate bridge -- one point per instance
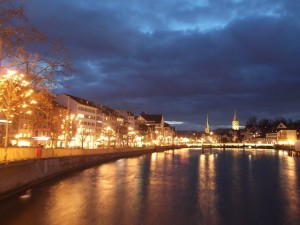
(292, 150)
(233, 145)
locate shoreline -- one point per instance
(18, 176)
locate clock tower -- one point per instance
(235, 122)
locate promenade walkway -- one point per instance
(24, 153)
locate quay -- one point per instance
(23, 168)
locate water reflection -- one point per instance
(288, 186)
(207, 196)
(186, 186)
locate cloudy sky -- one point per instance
(181, 58)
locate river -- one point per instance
(180, 187)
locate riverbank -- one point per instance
(27, 153)
(19, 175)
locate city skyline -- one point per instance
(182, 60)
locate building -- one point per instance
(235, 122)
(253, 135)
(286, 136)
(153, 125)
(110, 124)
(77, 122)
(22, 132)
(207, 125)
(169, 133)
(80, 125)
(271, 138)
(207, 136)
(127, 128)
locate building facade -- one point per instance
(83, 115)
(286, 136)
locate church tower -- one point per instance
(207, 125)
(235, 122)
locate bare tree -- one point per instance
(18, 37)
(15, 33)
(15, 97)
(83, 134)
(68, 127)
(61, 124)
(24, 49)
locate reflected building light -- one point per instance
(207, 187)
(288, 184)
(121, 163)
(154, 155)
(202, 157)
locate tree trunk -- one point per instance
(0, 54)
(6, 138)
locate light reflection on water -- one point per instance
(184, 186)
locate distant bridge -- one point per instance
(232, 145)
(292, 150)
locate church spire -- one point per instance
(207, 125)
(235, 122)
(234, 116)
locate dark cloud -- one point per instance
(182, 59)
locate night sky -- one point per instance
(181, 58)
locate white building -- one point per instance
(271, 138)
(88, 120)
(129, 134)
(286, 136)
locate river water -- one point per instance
(180, 187)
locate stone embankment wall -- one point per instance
(25, 153)
(16, 176)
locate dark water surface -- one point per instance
(184, 186)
